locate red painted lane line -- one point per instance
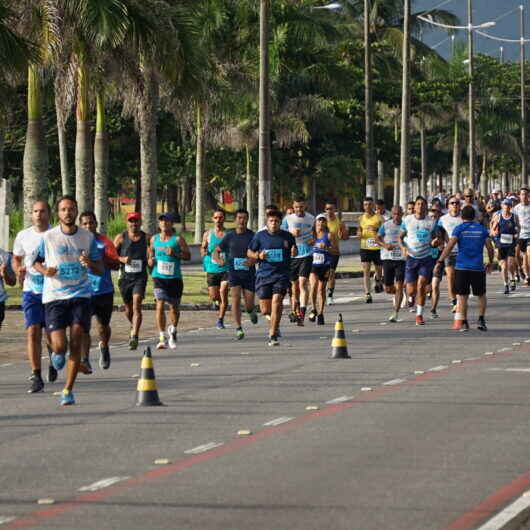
(34, 518)
(492, 504)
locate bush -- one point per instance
(116, 225)
(16, 223)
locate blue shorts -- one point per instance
(33, 309)
(265, 290)
(245, 280)
(61, 314)
(419, 267)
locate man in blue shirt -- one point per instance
(273, 248)
(470, 272)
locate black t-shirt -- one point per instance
(235, 246)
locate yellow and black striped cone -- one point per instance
(147, 392)
(338, 344)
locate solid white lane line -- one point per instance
(521, 370)
(5, 520)
(437, 368)
(394, 382)
(340, 399)
(277, 421)
(102, 484)
(202, 448)
(508, 514)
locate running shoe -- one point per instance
(330, 300)
(37, 384)
(52, 372)
(300, 321)
(279, 333)
(268, 317)
(133, 342)
(465, 326)
(273, 341)
(104, 356)
(220, 324)
(85, 367)
(253, 317)
(58, 361)
(393, 317)
(368, 298)
(67, 398)
(434, 314)
(378, 287)
(482, 324)
(320, 320)
(172, 334)
(162, 343)
(506, 290)
(240, 334)
(454, 305)
(312, 315)
(292, 317)
(513, 285)
(517, 278)
(420, 321)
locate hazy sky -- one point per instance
(483, 11)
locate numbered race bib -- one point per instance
(396, 253)
(134, 267)
(95, 283)
(72, 271)
(506, 239)
(318, 258)
(370, 242)
(303, 249)
(423, 236)
(274, 255)
(166, 268)
(239, 264)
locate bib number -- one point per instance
(240, 264)
(166, 268)
(303, 249)
(134, 267)
(318, 258)
(396, 253)
(423, 236)
(506, 239)
(70, 271)
(95, 282)
(36, 280)
(370, 242)
(274, 255)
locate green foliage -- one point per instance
(116, 225)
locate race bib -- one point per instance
(274, 255)
(95, 282)
(303, 249)
(134, 267)
(506, 239)
(396, 253)
(423, 236)
(71, 271)
(166, 268)
(319, 258)
(240, 264)
(370, 242)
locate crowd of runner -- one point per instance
(66, 271)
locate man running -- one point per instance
(241, 269)
(393, 258)
(216, 275)
(166, 250)
(7, 276)
(102, 300)
(435, 211)
(469, 200)
(369, 224)
(131, 246)
(274, 249)
(471, 237)
(420, 233)
(410, 209)
(381, 210)
(25, 247)
(522, 211)
(300, 225)
(340, 233)
(69, 253)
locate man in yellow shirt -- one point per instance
(369, 224)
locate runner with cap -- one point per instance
(166, 250)
(131, 246)
(522, 211)
(216, 275)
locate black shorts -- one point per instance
(168, 290)
(465, 279)
(322, 273)
(61, 314)
(451, 261)
(2, 312)
(266, 290)
(245, 280)
(506, 252)
(131, 286)
(371, 256)
(102, 306)
(301, 267)
(334, 262)
(522, 244)
(393, 271)
(214, 279)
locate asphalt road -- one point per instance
(439, 442)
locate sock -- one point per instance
(331, 290)
(37, 373)
(459, 316)
(419, 310)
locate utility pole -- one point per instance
(524, 143)
(405, 109)
(472, 157)
(368, 104)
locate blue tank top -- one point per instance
(208, 263)
(507, 231)
(321, 256)
(166, 267)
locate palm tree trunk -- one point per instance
(405, 108)
(101, 164)
(199, 179)
(396, 185)
(456, 157)
(184, 207)
(368, 104)
(35, 162)
(380, 180)
(2, 142)
(83, 146)
(66, 186)
(249, 190)
(423, 146)
(484, 176)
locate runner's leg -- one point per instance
(77, 334)
(223, 295)
(236, 305)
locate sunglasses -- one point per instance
(133, 220)
(468, 196)
(453, 203)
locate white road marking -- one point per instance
(503, 349)
(202, 448)
(5, 520)
(437, 368)
(508, 514)
(366, 389)
(383, 323)
(527, 340)
(6, 365)
(277, 421)
(472, 359)
(340, 399)
(101, 484)
(516, 370)
(394, 382)
(489, 353)
(456, 361)
(516, 344)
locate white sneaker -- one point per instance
(172, 334)
(162, 343)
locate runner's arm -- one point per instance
(447, 250)
(334, 248)
(19, 268)
(150, 254)
(343, 232)
(204, 245)
(110, 256)
(491, 251)
(118, 242)
(8, 274)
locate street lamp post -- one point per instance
(405, 110)
(524, 142)
(471, 97)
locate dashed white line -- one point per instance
(202, 448)
(508, 514)
(102, 484)
(6, 365)
(472, 359)
(277, 421)
(5, 520)
(503, 349)
(516, 370)
(437, 368)
(394, 382)
(340, 399)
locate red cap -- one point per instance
(134, 215)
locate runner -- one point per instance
(522, 211)
(274, 249)
(447, 224)
(26, 245)
(216, 276)
(420, 233)
(131, 246)
(69, 253)
(102, 294)
(241, 270)
(471, 237)
(435, 212)
(380, 209)
(340, 232)
(469, 200)
(410, 209)
(166, 250)
(268, 209)
(7, 275)
(393, 259)
(300, 225)
(325, 246)
(369, 224)
(504, 229)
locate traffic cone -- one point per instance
(338, 344)
(147, 392)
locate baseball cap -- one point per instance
(168, 217)
(321, 216)
(507, 201)
(134, 215)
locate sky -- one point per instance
(483, 11)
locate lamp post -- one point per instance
(404, 166)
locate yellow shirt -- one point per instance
(334, 226)
(368, 235)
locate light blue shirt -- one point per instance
(420, 233)
(305, 224)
